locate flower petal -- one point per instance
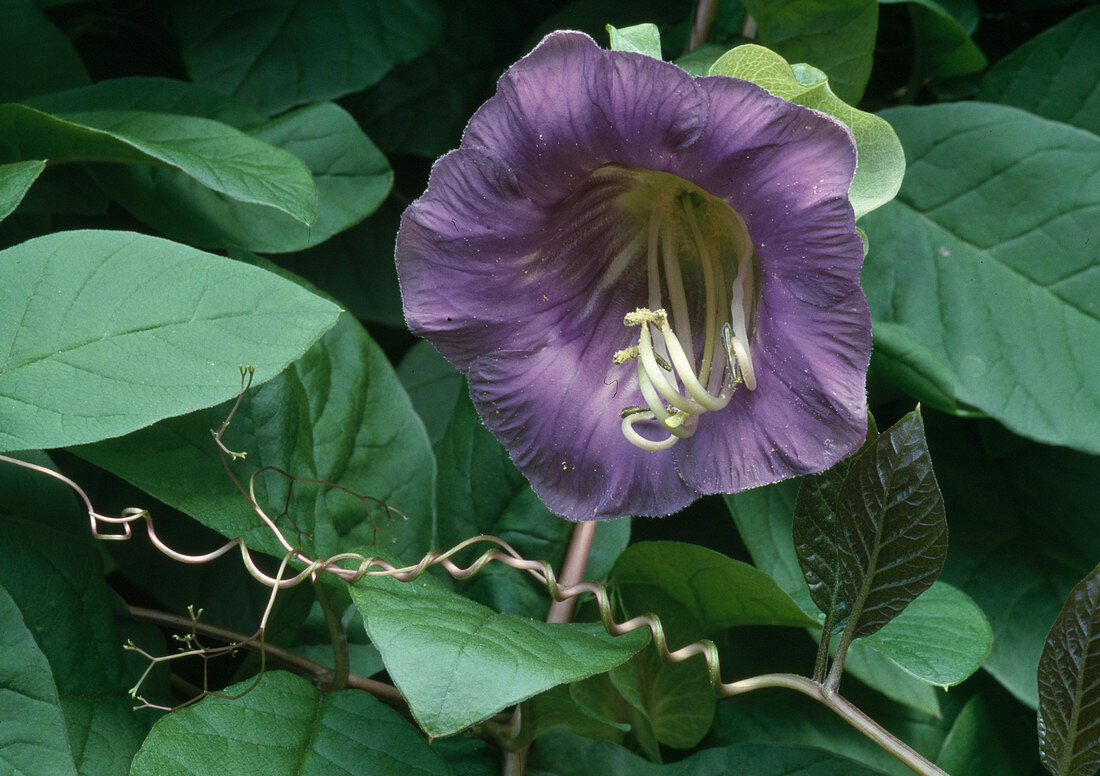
(569, 107)
(562, 428)
(809, 409)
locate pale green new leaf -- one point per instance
(880, 161)
(284, 727)
(104, 332)
(640, 39)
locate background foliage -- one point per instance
(186, 186)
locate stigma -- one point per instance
(686, 370)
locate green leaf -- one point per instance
(25, 493)
(15, 179)
(458, 663)
(422, 107)
(815, 527)
(836, 36)
(565, 754)
(482, 492)
(35, 56)
(337, 414)
(941, 638)
(677, 699)
(107, 332)
(972, 747)
(284, 727)
(1056, 74)
(556, 708)
(435, 387)
(212, 154)
(1024, 530)
(880, 163)
(640, 39)
(1069, 685)
(154, 95)
(351, 175)
(57, 583)
(357, 266)
(943, 45)
(894, 681)
(621, 703)
(699, 61)
(791, 720)
(290, 52)
(32, 739)
(764, 518)
(984, 260)
(891, 531)
(716, 592)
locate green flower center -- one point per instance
(693, 241)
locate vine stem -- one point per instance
(706, 11)
(380, 690)
(844, 709)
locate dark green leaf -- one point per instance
(982, 281)
(35, 56)
(107, 332)
(15, 179)
(788, 719)
(972, 747)
(351, 174)
(357, 266)
(1069, 685)
(677, 699)
(33, 740)
(458, 662)
(716, 592)
(57, 583)
(480, 491)
(815, 527)
(837, 36)
(212, 154)
(422, 107)
(943, 45)
(282, 53)
(891, 531)
(764, 519)
(434, 386)
(564, 754)
(556, 708)
(155, 95)
(1055, 74)
(25, 493)
(337, 414)
(1024, 530)
(284, 727)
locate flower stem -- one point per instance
(572, 570)
(705, 13)
(849, 713)
(341, 660)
